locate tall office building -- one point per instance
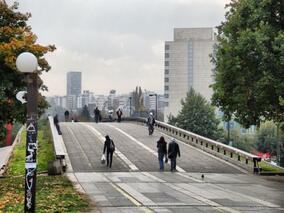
(74, 83)
(187, 64)
(73, 89)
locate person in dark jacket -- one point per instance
(97, 115)
(173, 152)
(109, 148)
(119, 114)
(162, 152)
(56, 123)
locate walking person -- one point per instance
(109, 148)
(97, 114)
(56, 123)
(119, 114)
(151, 122)
(162, 152)
(173, 152)
(66, 115)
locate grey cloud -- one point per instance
(114, 39)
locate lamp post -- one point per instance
(156, 113)
(130, 106)
(27, 63)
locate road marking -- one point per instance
(119, 154)
(147, 174)
(211, 203)
(131, 198)
(141, 144)
(206, 153)
(262, 202)
(79, 145)
(190, 177)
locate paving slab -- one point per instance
(145, 192)
(224, 188)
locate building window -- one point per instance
(166, 104)
(167, 63)
(166, 87)
(166, 79)
(167, 71)
(167, 55)
(167, 47)
(166, 95)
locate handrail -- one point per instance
(236, 156)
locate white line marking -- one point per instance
(211, 203)
(189, 177)
(147, 174)
(262, 202)
(141, 144)
(79, 145)
(206, 153)
(120, 155)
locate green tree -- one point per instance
(266, 138)
(16, 37)
(85, 114)
(198, 116)
(249, 62)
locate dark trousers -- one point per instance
(118, 118)
(173, 164)
(109, 158)
(161, 160)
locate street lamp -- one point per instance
(156, 114)
(27, 63)
(130, 106)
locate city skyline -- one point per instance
(113, 43)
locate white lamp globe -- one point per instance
(26, 62)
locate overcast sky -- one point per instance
(116, 44)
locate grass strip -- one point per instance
(53, 193)
(266, 167)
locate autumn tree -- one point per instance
(249, 62)
(17, 37)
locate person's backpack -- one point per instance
(111, 146)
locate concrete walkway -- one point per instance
(182, 192)
(134, 185)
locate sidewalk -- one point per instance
(123, 192)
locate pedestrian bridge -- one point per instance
(135, 184)
(136, 150)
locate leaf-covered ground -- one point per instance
(54, 193)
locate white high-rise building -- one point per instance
(187, 64)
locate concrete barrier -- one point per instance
(233, 155)
(59, 150)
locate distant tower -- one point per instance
(187, 65)
(74, 88)
(74, 83)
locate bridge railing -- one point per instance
(59, 164)
(233, 155)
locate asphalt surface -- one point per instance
(85, 147)
(135, 184)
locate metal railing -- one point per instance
(233, 155)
